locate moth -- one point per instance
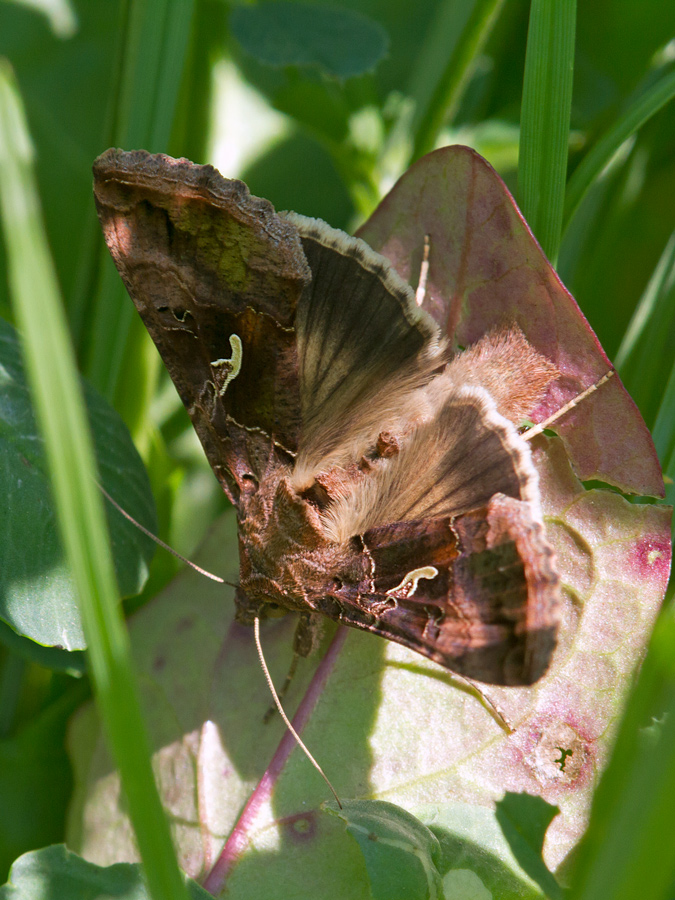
(378, 475)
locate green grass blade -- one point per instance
(664, 427)
(155, 50)
(156, 45)
(60, 407)
(545, 119)
(639, 112)
(646, 351)
(455, 39)
(628, 850)
(664, 438)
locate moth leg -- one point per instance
(421, 291)
(308, 634)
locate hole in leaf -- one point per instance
(562, 759)
(605, 486)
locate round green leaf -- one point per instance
(36, 592)
(476, 860)
(56, 872)
(398, 849)
(339, 42)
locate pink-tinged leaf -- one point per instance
(486, 271)
(205, 702)
(614, 561)
(388, 723)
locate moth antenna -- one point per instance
(287, 721)
(575, 401)
(421, 291)
(287, 683)
(160, 542)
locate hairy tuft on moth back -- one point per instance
(379, 480)
(514, 374)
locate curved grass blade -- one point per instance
(646, 351)
(60, 409)
(639, 112)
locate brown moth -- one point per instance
(379, 478)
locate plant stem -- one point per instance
(240, 836)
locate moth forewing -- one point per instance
(378, 481)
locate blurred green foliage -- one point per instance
(327, 139)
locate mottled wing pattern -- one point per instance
(477, 594)
(216, 276)
(377, 482)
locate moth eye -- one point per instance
(250, 479)
(338, 583)
(274, 611)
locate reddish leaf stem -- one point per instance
(240, 835)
